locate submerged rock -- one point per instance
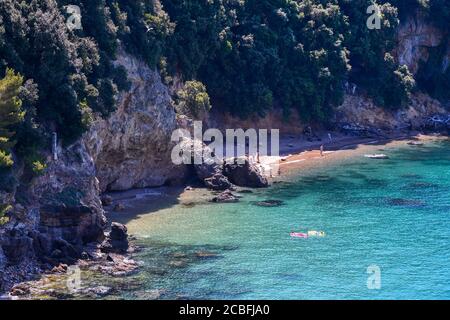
(269, 203)
(420, 185)
(149, 294)
(245, 191)
(225, 197)
(188, 204)
(405, 202)
(97, 292)
(206, 255)
(410, 176)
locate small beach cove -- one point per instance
(392, 213)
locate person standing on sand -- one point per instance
(321, 150)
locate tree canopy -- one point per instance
(241, 56)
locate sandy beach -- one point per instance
(297, 154)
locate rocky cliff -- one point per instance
(362, 111)
(132, 148)
(415, 37)
(55, 215)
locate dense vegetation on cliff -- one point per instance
(244, 57)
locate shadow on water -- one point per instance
(144, 201)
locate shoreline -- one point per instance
(308, 156)
(302, 156)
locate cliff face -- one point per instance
(363, 111)
(132, 148)
(415, 37)
(54, 216)
(62, 210)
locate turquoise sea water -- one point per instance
(394, 214)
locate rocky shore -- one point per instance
(110, 258)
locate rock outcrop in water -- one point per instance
(225, 197)
(117, 239)
(61, 214)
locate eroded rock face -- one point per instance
(415, 36)
(363, 111)
(60, 213)
(132, 148)
(68, 199)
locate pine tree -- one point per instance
(11, 113)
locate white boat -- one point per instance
(376, 156)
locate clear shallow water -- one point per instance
(391, 213)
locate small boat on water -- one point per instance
(299, 235)
(376, 156)
(415, 143)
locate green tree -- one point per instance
(3, 210)
(193, 100)
(11, 113)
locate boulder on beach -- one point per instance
(245, 175)
(218, 182)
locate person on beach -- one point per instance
(321, 150)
